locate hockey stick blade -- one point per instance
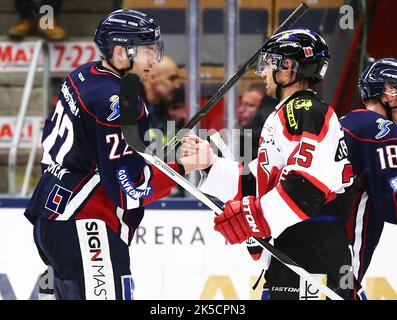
(129, 127)
(289, 22)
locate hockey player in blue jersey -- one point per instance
(371, 137)
(91, 196)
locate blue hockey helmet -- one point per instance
(376, 76)
(127, 28)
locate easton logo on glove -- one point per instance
(241, 220)
(248, 215)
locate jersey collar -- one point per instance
(294, 95)
(100, 69)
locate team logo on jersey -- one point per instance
(296, 104)
(383, 126)
(304, 103)
(267, 135)
(115, 107)
(58, 199)
(129, 187)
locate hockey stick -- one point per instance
(129, 92)
(290, 21)
(217, 140)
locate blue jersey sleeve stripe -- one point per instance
(366, 139)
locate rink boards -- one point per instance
(176, 254)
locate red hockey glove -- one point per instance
(254, 249)
(241, 220)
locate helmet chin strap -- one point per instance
(282, 86)
(388, 108)
(121, 71)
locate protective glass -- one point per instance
(274, 62)
(147, 53)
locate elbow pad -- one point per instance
(304, 194)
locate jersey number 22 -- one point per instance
(63, 126)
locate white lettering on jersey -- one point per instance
(69, 99)
(56, 170)
(81, 77)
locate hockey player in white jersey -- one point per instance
(302, 173)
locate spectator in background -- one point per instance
(249, 105)
(177, 109)
(29, 24)
(253, 110)
(247, 116)
(160, 89)
(266, 108)
(254, 107)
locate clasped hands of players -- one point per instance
(196, 154)
(241, 219)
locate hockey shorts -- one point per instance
(321, 248)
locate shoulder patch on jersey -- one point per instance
(58, 199)
(303, 115)
(383, 126)
(115, 107)
(296, 104)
